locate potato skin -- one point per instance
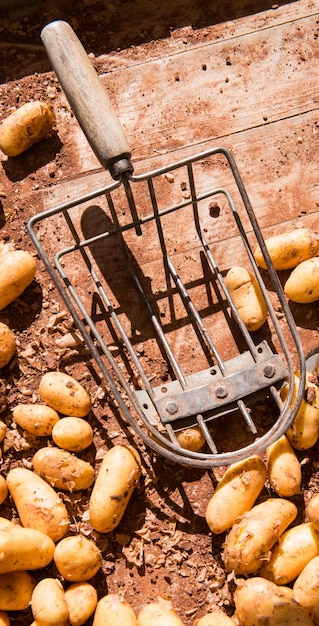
(16, 589)
(24, 549)
(81, 599)
(117, 478)
(28, 124)
(236, 493)
(3, 489)
(313, 510)
(216, 618)
(255, 533)
(64, 394)
(247, 297)
(302, 285)
(296, 547)
(62, 469)
(4, 619)
(38, 505)
(284, 470)
(77, 558)
(48, 603)
(306, 586)
(259, 601)
(191, 438)
(73, 434)
(36, 419)
(303, 433)
(157, 614)
(113, 609)
(287, 250)
(18, 268)
(7, 344)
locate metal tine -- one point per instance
(209, 440)
(250, 423)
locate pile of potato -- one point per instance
(296, 250)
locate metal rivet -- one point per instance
(269, 371)
(221, 392)
(171, 407)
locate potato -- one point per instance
(77, 559)
(259, 602)
(7, 344)
(287, 250)
(28, 124)
(303, 433)
(3, 489)
(113, 609)
(38, 505)
(312, 510)
(73, 434)
(18, 268)
(216, 618)
(64, 394)
(284, 470)
(117, 478)
(16, 589)
(191, 438)
(81, 599)
(306, 586)
(302, 285)
(24, 549)
(4, 619)
(236, 493)
(255, 533)
(63, 470)
(36, 419)
(247, 297)
(158, 614)
(296, 547)
(3, 431)
(48, 603)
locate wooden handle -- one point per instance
(87, 97)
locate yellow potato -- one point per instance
(4, 619)
(28, 124)
(255, 533)
(157, 614)
(304, 430)
(7, 344)
(3, 489)
(302, 285)
(81, 599)
(306, 586)
(113, 609)
(216, 618)
(77, 558)
(259, 602)
(64, 394)
(313, 510)
(73, 434)
(63, 470)
(296, 547)
(3, 431)
(48, 603)
(38, 505)
(236, 493)
(18, 268)
(191, 438)
(314, 614)
(16, 589)
(36, 419)
(287, 250)
(284, 470)
(117, 478)
(247, 297)
(24, 549)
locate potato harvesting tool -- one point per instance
(141, 264)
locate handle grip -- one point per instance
(87, 97)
